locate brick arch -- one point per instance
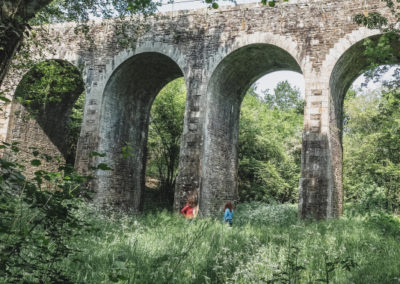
(14, 77)
(47, 131)
(351, 64)
(225, 91)
(286, 43)
(342, 66)
(169, 50)
(127, 98)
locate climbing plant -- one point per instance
(37, 219)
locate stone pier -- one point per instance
(220, 53)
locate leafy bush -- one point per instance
(371, 163)
(270, 146)
(372, 198)
(37, 220)
(385, 223)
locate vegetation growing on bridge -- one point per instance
(267, 241)
(49, 234)
(52, 94)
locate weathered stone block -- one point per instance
(220, 54)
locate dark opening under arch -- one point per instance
(124, 121)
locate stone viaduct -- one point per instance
(220, 53)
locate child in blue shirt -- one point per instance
(228, 216)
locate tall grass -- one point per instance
(266, 243)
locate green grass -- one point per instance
(266, 243)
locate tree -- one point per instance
(285, 97)
(380, 52)
(269, 148)
(17, 15)
(165, 132)
(14, 19)
(371, 149)
(371, 162)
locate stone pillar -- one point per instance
(220, 157)
(226, 89)
(189, 171)
(88, 140)
(116, 124)
(321, 191)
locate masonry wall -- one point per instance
(312, 34)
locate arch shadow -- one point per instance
(48, 92)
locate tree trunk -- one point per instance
(14, 16)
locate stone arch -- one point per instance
(124, 118)
(284, 42)
(321, 189)
(349, 65)
(43, 122)
(15, 75)
(347, 68)
(143, 46)
(226, 89)
(343, 45)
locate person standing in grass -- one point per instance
(228, 215)
(191, 208)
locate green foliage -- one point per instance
(371, 160)
(262, 215)
(285, 97)
(290, 270)
(266, 246)
(74, 127)
(385, 224)
(371, 149)
(271, 3)
(380, 54)
(127, 151)
(270, 145)
(82, 10)
(48, 82)
(375, 20)
(37, 219)
(51, 93)
(165, 131)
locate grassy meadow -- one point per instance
(267, 244)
